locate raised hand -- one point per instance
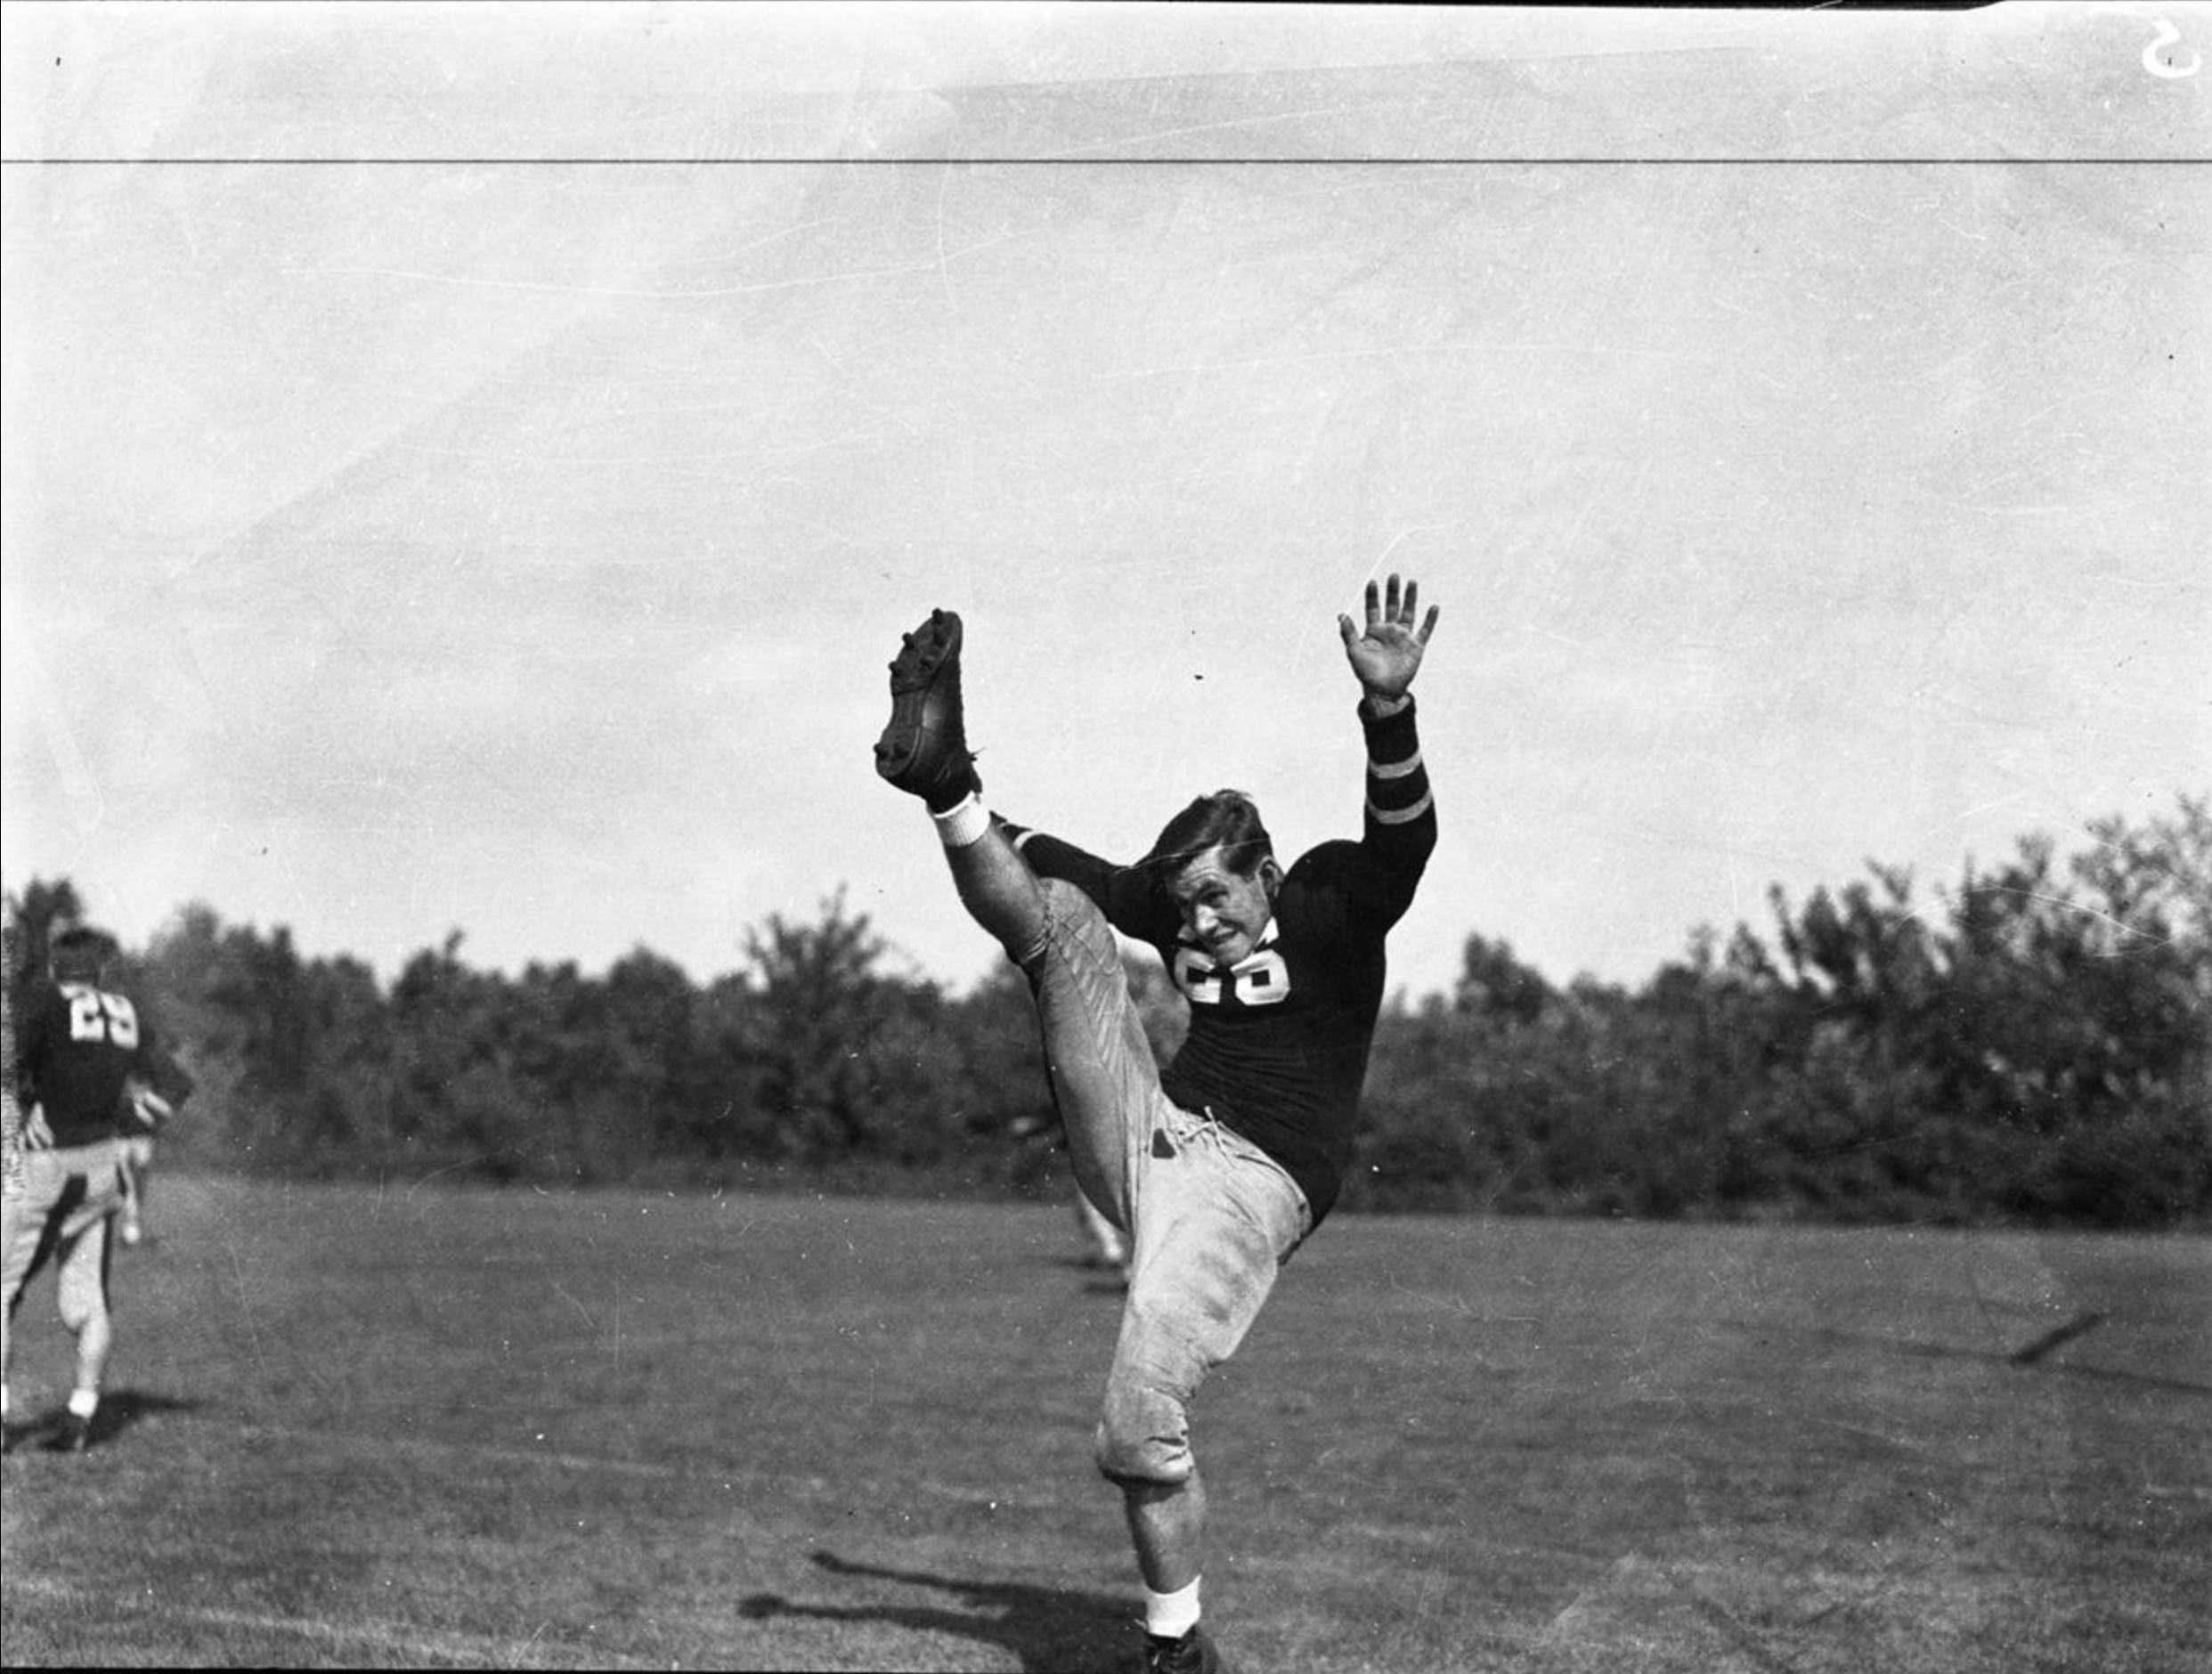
(1388, 653)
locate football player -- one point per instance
(80, 1039)
(1219, 1166)
(11, 1112)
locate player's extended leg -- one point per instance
(923, 752)
(1104, 1079)
(997, 887)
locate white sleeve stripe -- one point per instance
(1022, 841)
(1395, 770)
(1399, 815)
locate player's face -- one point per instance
(1224, 912)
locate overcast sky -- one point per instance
(467, 466)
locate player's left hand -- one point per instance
(1388, 655)
(149, 1106)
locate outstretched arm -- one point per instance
(1388, 655)
(1400, 830)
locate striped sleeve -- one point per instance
(1401, 823)
(1397, 779)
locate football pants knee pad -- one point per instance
(1144, 1438)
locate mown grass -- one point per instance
(409, 1428)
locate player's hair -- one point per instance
(80, 953)
(1227, 817)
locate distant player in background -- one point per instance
(138, 1123)
(80, 1041)
(1221, 1164)
(1104, 1244)
(12, 1136)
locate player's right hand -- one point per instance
(1388, 655)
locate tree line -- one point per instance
(2032, 1045)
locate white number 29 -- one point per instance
(94, 1015)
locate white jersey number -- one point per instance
(1260, 978)
(94, 1015)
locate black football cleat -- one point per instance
(1193, 1654)
(923, 752)
(72, 1434)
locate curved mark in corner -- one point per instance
(2169, 68)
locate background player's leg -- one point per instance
(130, 1224)
(1104, 1243)
(95, 1341)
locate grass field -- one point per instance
(408, 1428)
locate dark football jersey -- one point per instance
(78, 1043)
(1278, 1044)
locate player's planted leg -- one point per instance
(84, 1312)
(1167, 1522)
(1168, 1525)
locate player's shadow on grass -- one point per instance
(120, 1410)
(1052, 1630)
(2035, 1354)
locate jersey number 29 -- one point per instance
(96, 1015)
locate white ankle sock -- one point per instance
(964, 823)
(83, 1403)
(1171, 1615)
